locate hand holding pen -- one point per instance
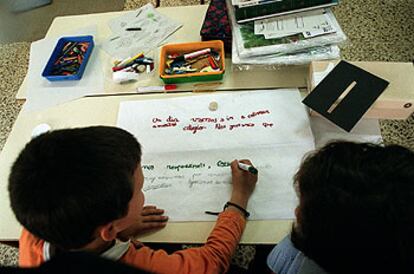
(244, 181)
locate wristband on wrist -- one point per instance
(244, 211)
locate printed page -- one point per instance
(287, 25)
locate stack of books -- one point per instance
(283, 32)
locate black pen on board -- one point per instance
(133, 29)
(248, 168)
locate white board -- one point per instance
(187, 148)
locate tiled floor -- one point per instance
(33, 24)
(377, 31)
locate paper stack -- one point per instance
(293, 39)
(250, 10)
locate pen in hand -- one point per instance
(248, 168)
(243, 185)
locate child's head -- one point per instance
(67, 183)
(356, 211)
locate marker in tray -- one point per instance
(204, 60)
(131, 68)
(71, 58)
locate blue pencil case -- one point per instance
(69, 58)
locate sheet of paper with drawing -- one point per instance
(141, 30)
(187, 149)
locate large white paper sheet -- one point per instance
(188, 148)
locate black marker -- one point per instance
(248, 168)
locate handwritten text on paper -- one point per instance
(188, 148)
(228, 122)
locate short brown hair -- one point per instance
(356, 211)
(66, 183)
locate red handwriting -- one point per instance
(197, 124)
(257, 113)
(193, 129)
(240, 125)
(172, 119)
(165, 125)
(170, 122)
(220, 126)
(204, 120)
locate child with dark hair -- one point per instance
(355, 213)
(81, 190)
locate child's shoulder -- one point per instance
(285, 258)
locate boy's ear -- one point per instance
(298, 216)
(297, 213)
(108, 232)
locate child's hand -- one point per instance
(151, 218)
(244, 183)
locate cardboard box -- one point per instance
(397, 101)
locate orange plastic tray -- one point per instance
(183, 48)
